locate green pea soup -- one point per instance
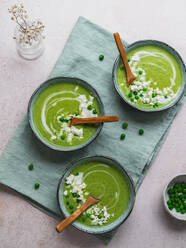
(158, 77)
(53, 108)
(103, 181)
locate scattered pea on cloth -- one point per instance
(101, 57)
(37, 185)
(31, 167)
(177, 198)
(122, 137)
(141, 131)
(124, 125)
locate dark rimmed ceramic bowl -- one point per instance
(164, 46)
(56, 80)
(116, 223)
(177, 179)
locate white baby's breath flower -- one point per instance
(28, 31)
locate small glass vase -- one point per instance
(26, 51)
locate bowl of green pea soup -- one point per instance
(52, 106)
(174, 197)
(160, 76)
(101, 177)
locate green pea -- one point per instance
(172, 195)
(77, 174)
(179, 189)
(136, 97)
(176, 199)
(67, 203)
(129, 94)
(94, 111)
(182, 196)
(78, 200)
(183, 211)
(169, 202)
(132, 99)
(88, 214)
(99, 216)
(101, 57)
(141, 131)
(140, 72)
(122, 66)
(144, 89)
(141, 95)
(169, 191)
(165, 96)
(181, 207)
(61, 119)
(71, 207)
(128, 59)
(176, 185)
(76, 113)
(173, 190)
(173, 204)
(170, 207)
(37, 185)
(135, 93)
(184, 190)
(122, 137)
(31, 167)
(89, 107)
(183, 185)
(83, 219)
(155, 105)
(63, 137)
(124, 125)
(154, 95)
(74, 194)
(177, 209)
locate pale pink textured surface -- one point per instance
(23, 226)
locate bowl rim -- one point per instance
(183, 84)
(72, 164)
(30, 112)
(165, 193)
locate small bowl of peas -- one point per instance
(175, 197)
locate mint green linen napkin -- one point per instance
(80, 59)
